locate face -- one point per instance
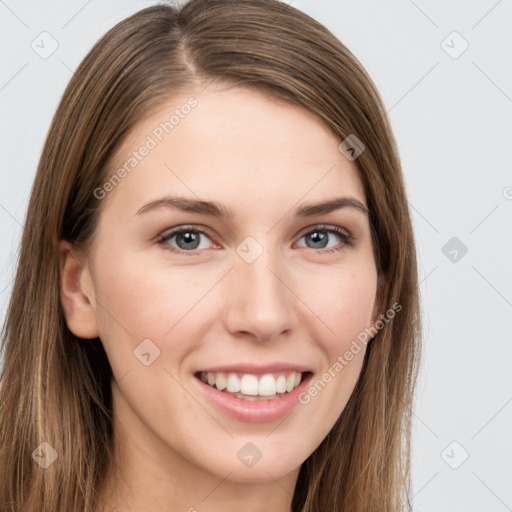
(244, 301)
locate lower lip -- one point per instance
(254, 411)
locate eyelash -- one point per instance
(346, 238)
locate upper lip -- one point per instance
(256, 369)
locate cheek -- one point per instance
(132, 305)
(355, 305)
(345, 309)
(343, 300)
(139, 300)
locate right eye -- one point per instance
(186, 238)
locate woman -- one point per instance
(216, 303)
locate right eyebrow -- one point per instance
(189, 205)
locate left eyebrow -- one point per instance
(215, 209)
(309, 210)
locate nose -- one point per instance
(260, 299)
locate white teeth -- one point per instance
(233, 383)
(290, 382)
(281, 384)
(268, 385)
(249, 384)
(220, 381)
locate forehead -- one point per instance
(236, 146)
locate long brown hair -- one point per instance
(55, 387)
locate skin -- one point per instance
(261, 158)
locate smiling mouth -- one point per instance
(247, 386)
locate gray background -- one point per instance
(450, 111)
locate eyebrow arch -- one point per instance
(215, 209)
(309, 210)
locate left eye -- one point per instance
(319, 236)
(188, 239)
